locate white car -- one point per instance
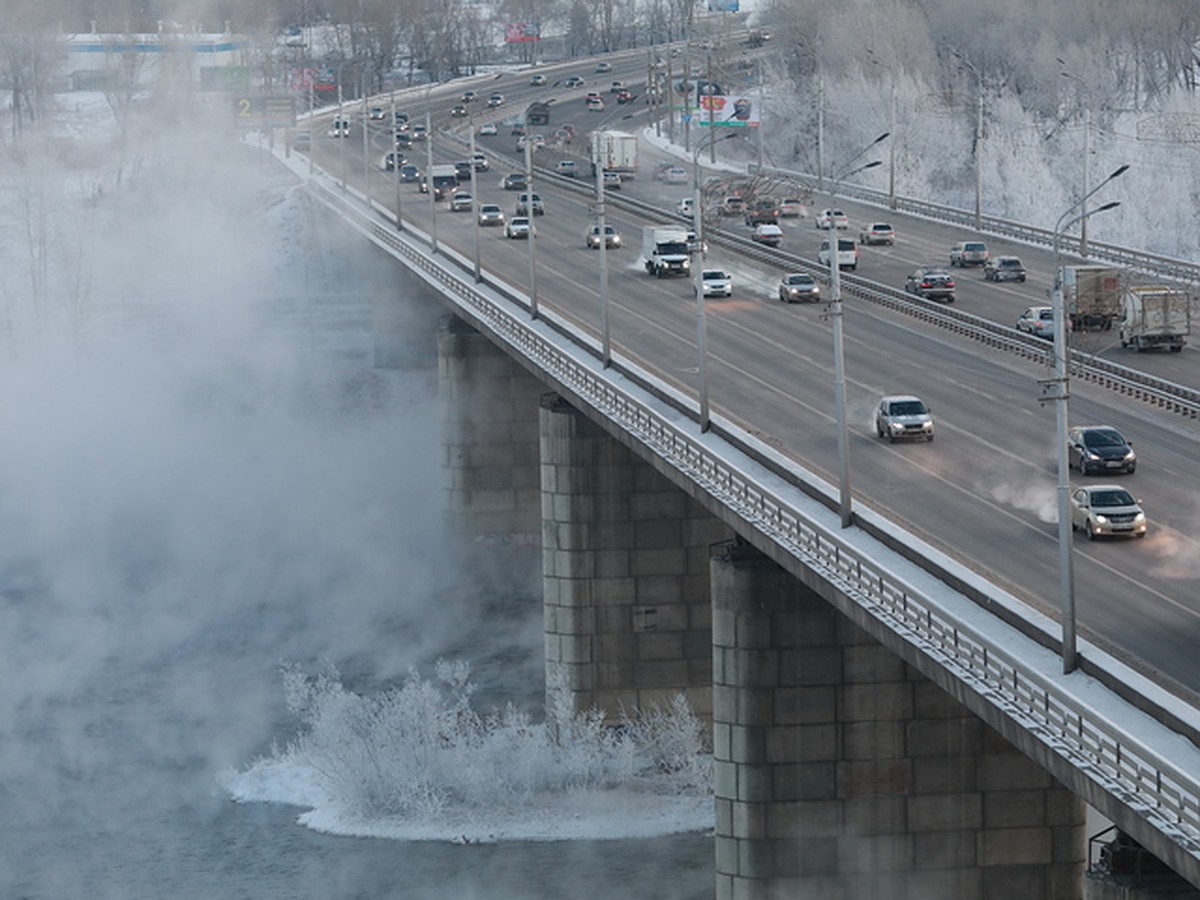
(791, 208)
(567, 167)
(537, 80)
(490, 214)
(903, 416)
(461, 201)
(836, 217)
(376, 114)
(595, 104)
(488, 129)
(686, 207)
(495, 100)
(1038, 321)
(847, 254)
(339, 128)
(676, 175)
(1100, 510)
(611, 180)
(519, 227)
(612, 237)
(716, 283)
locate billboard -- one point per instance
(726, 109)
(722, 5)
(519, 32)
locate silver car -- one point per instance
(903, 416)
(1099, 510)
(798, 286)
(490, 214)
(716, 283)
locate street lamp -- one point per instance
(698, 275)
(1087, 151)
(1060, 393)
(533, 294)
(602, 224)
(978, 138)
(836, 315)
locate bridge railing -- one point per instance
(1147, 768)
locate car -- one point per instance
(409, 173)
(1099, 448)
(767, 235)
(616, 87)
(1004, 268)
(463, 169)
(530, 202)
(732, 206)
(418, 132)
(400, 119)
(469, 97)
(458, 110)
(376, 114)
(517, 129)
(480, 162)
(519, 227)
(595, 104)
(537, 80)
(931, 283)
(660, 170)
(798, 286)
(533, 141)
(488, 129)
(438, 191)
(877, 233)
(832, 218)
(676, 175)
(686, 207)
(624, 96)
(564, 134)
(461, 201)
(716, 283)
(1100, 510)
(969, 253)
(514, 181)
(490, 214)
(611, 181)
(574, 81)
(389, 160)
(612, 237)
(847, 254)
(403, 140)
(495, 100)
(603, 67)
(762, 212)
(567, 167)
(903, 416)
(1037, 320)
(339, 128)
(791, 208)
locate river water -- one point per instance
(192, 497)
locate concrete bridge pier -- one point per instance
(625, 572)
(844, 774)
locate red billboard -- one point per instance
(519, 32)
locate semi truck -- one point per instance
(615, 151)
(1155, 317)
(666, 250)
(1092, 296)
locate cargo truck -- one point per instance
(615, 151)
(1092, 296)
(1155, 317)
(666, 250)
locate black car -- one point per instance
(1099, 448)
(1004, 268)
(515, 181)
(931, 283)
(463, 170)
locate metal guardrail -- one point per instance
(1151, 263)
(1119, 763)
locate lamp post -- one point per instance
(474, 191)
(391, 132)
(698, 277)
(602, 224)
(836, 315)
(533, 294)
(433, 243)
(1060, 394)
(1087, 152)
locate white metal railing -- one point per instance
(1139, 774)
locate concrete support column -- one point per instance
(625, 573)
(489, 420)
(843, 774)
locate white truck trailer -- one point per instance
(666, 250)
(1155, 317)
(615, 151)
(1092, 296)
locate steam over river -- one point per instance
(203, 481)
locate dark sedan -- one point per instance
(931, 284)
(1099, 448)
(515, 181)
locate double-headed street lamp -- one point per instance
(1060, 394)
(836, 314)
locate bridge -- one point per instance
(884, 715)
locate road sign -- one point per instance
(264, 112)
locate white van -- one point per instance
(847, 254)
